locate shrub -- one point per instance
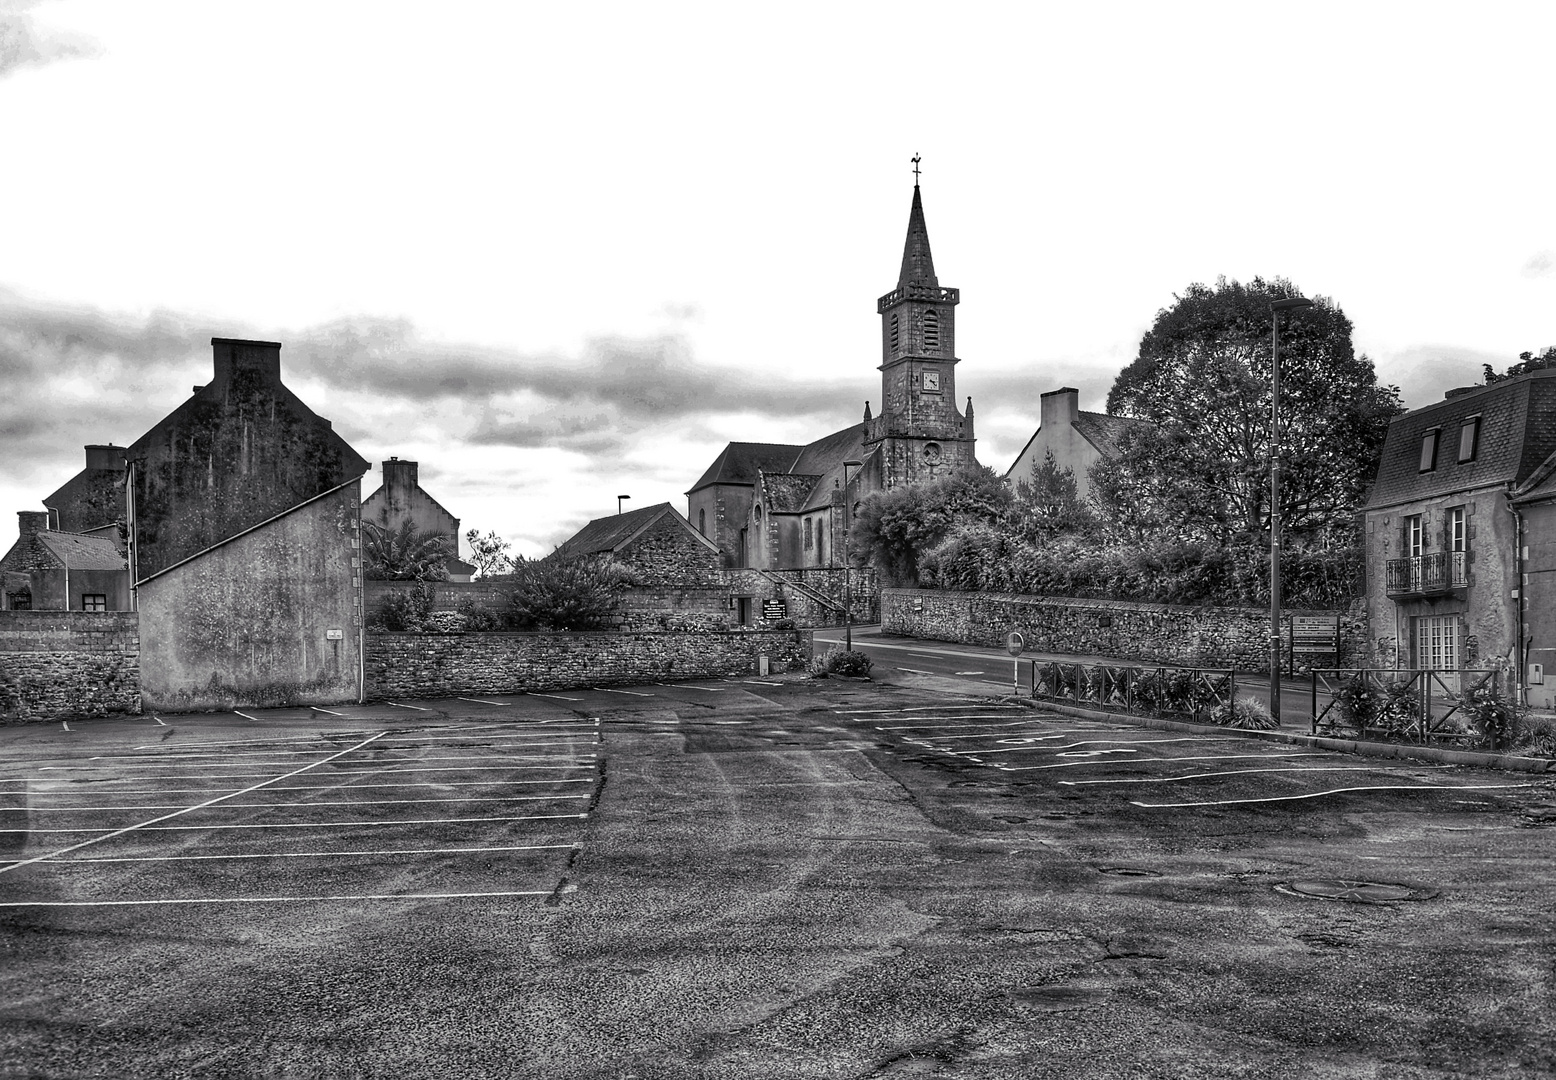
(403, 611)
(1533, 735)
(558, 593)
(478, 617)
(1248, 714)
(840, 661)
(1366, 702)
(445, 622)
(1491, 714)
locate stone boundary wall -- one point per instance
(446, 595)
(437, 665)
(59, 665)
(1149, 633)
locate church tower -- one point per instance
(919, 431)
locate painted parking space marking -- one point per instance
(116, 792)
(952, 723)
(925, 708)
(761, 682)
(310, 805)
(1072, 746)
(1332, 791)
(969, 673)
(387, 852)
(557, 697)
(1238, 772)
(326, 712)
(1143, 761)
(397, 705)
(273, 899)
(633, 693)
(483, 701)
(176, 813)
(275, 825)
(689, 686)
(588, 762)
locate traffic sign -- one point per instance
(1015, 643)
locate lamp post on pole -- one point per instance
(619, 499)
(1276, 307)
(848, 567)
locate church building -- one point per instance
(776, 506)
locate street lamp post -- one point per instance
(619, 499)
(1276, 307)
(848, 567)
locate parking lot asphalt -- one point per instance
(758, 878)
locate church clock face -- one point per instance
(932, 382)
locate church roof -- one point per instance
(610, 534)
(918, 265)
(741, 461)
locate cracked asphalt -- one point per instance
(753, 879)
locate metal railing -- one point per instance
(1412, 705)
(1155, 690)
(1435, 571)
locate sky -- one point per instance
(563, 252)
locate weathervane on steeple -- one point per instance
(916, 160)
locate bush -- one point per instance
(403, 611)
(840, 661)
(1367, 703)
(1492, 715)
(557, 593)
(1248, 714)
(478, 617)
(1533, 735)
(445, 622)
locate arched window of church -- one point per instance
(809, 537)
(895, 336)
(702, 522)
(758, 513)
(931, 329)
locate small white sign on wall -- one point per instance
(334, 635)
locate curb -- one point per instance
(1508, 762)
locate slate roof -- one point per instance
(1105, 432)
(740, 462)
(609, 534)
(1517, 434)
(62, 550)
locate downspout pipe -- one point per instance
(1519, 671)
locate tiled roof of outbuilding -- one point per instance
(608, 534)
(48, 549)
(1517, 433)
(1105, 432)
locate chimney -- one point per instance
(399, 481)
(31, 522)
(1058, 407)
(108, 457)
(231, 355)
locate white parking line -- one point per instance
(284, 764)
(185, 810)
(1239, 772)
(923, 708)
(914, 671)
(483, 701)
(558, 697)
(1084, 742)
(537, 738)
(954, 723)
(761, 682)
(689, 686)
(314, 854)
(326, 712)
(322, 803)
(303, 787)
(1144, 760)
(271, 825)
(1334, 791)
(397, 705)
(608, 690)
(388, 770)
(271, 899)
(245, 716)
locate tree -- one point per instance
(558, 593)
(1527, 362)
(403, 554)
(1049, 504)
(1202, 377)
(489, 553)
(893, 528)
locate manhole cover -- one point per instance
(1353, 891)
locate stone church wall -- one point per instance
(59, 665)
(430, 665)
(1148, 633)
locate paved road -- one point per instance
(766, 878)
(989, 670)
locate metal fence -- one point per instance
(1412, 705)
(1160, 691)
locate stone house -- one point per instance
(92, 501)
(1076, 439)
(1534, 507)
(401, 498)
(1461, 494)
(49, 569)
(781, 507)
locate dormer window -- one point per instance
(1469, 439)
(1429, 450)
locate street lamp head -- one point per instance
(1290, 302)
(855, 464)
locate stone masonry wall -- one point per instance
(58, 665)
(427, 665)
(1153, 633)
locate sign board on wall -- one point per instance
(775, 609)
(1315, 634)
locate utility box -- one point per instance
(1536, 675)
(764, 664)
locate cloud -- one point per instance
(1541, 264)
(23, 43)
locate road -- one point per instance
(989, 670)
(759, 878)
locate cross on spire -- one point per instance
(916, 160)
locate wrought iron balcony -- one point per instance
(1422, 575)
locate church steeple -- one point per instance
(918, 265)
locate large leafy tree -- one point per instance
(894, 528)
(1202, 377)
(1527, 362)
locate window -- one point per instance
(20, 601)
(1458, 531)
(702, 522)
(1437, 642)
(1414, 538)
(94, 602)
(810, 539)
(1457, 536)
(1429, 450)
(1469, 439)
(931, 330)
(895, 336)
